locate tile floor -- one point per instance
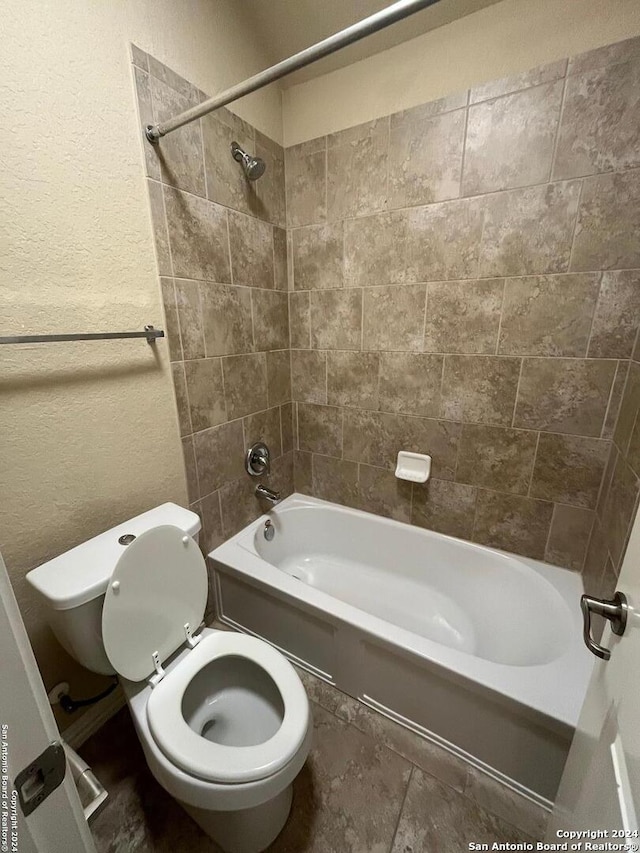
(369, 786)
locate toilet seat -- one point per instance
(215, 762)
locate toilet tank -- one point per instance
(73, 585)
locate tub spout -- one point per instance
(267, 494)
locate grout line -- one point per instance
(464, 147)
(390, 283)
(533, 466)
(594, 314)
(609, 401)
(412, 207)
(556, 140)
(402, 804)
(546, 544)
(424, 323)
(504, 296)
(515, 401)
(575, 224)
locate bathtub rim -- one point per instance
(519, 684)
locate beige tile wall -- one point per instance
(221, 252)
(466, 282)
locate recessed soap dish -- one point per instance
(415, 467)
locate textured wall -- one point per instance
(503, 39)
(89, 431)
(466, 284)
(222, 259)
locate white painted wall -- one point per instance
(511, 36)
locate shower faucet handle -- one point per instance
(258, 459)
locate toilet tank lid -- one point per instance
(82, 574)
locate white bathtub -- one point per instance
(476, 649)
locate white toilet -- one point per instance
(223, 718)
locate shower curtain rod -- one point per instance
(378, 21)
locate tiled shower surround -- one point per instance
(464, 280)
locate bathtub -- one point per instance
(476, 649)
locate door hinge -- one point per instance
(41, 777)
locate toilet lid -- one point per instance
(158, 586)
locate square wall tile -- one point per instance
(629, 409)
(393, 317)
(548, 315)
(288, 427)
(569, 536)
(299, 320)
(569, 469)
(529, 231)
(425, 159)
(352, 379)
(320, 429)
(608, 224)
(356, 170)
(443, 240)
(513, 523)
(309, 376)
(600, 128)
(280, 267)
(479, 389)
(410, 383)
(226, 318)
(189, 310)
(381, 492)
(335, 480)
(463, 316)
(251, 242)
(206, 393)
(180, 153)
(182, 398)
(302, 473)
(189, 457)
(305, 180)
(564, 395)
(159, 226)
(336, 319)
(172, 326)
(270, 319)
(279, 377)
(510, 140)
(617, 316)
(444, 507)
(219, 455)
(619, 509)
(375, 249)
(496, 458)
(198, 236)
(317, 252)
(245, 383)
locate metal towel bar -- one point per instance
(149, 333)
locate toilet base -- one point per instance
(246, 830)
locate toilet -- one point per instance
(223, 718)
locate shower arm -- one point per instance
(378, 21)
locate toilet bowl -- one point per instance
(223, 718)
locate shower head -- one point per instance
(254, 167)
